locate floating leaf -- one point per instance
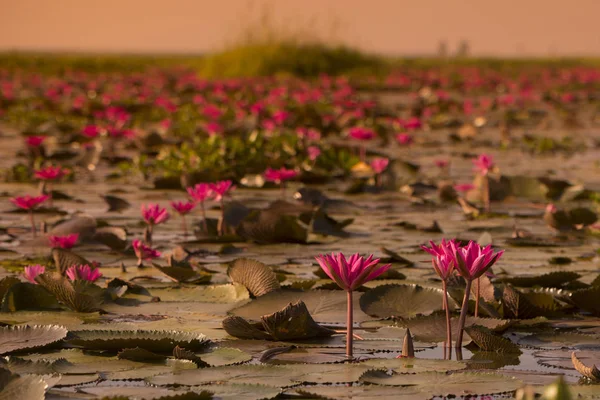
(517, 305)
(560, 340)
(31, 387)
(487, 341)
(237, 391)
(140, 355)
(240, 328)
(415, 365)
(84, 225)
(589, 372)
(587, 299)
(268, 226)
(116, 204)
(155, 341)
(184, 274)
(432, 328)
(145, 393)
(182, 354)
(64, 259)
(323, 305)
(401, 301)
(113, 237)
(26, 296)
(226, 356)
(29, 337)
(293, 322)
(225, 294)
(440, 384)
(73, 295)
(258, 278)
(555, 279)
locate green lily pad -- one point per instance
(560, 340)
(432, 328)
(325, 306)
(414, 365)
(226, 356)
(401, 301)
(587, 299)
(79, 296)
(17, 338)
(206, 294)
(145, 393)
(487, 341)
(155, 341)
(238, 391)
(30, 387)
(440, 384)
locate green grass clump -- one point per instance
(287, 57)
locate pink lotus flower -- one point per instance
(91, 131)
(349, 275)
(200, 192)
(444, 257)
(442, 163)
(154, 214)
(360, 133)
(220, 189)
(483, 164)
(50, 173)
(34, 141)
(29, 202)
(63, 242)
(464, 187)
(32, 271)
(280, 116)
(313, 152)
(412, 123)
(117, 133)
(472, 260)
(183, 208)
(83, 273)
(551, 208)
(144, 252)
(404, 139)
(279, 175)
(308, 134)
(379, 164)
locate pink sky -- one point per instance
(507, 27)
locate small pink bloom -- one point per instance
(121, 133)
(221, 189)
(351, 273)
(308, 134)
(28, 202)
(442, 163)
(412, 123)
(200, 192)
(313, 152)
(213, 128)
(63, 242)
(183, 207)
(443, 257)
(212, 111)
(464, 187)
(144, 252)
(91, 131)
(83, 273)
(404, 139)
(50, 173)
(360, 133)
(280, 116)
(34, 141)
(32, 271)
(379, 164)
(154, 214)
(279, 175)
(551, 208)
(484, 163)
(472, 260)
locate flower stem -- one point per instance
(33, 230)
(349, 327)
(184, 225)
(203, 212)
(221, 224)
(463, 314)
(486, 193)
(448, 323)
(478, 296)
